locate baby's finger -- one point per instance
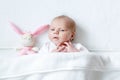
(70, 42)
(58, 45)
(61, 48)
(64, 50)
(66, 43)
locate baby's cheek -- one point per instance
(64, 38)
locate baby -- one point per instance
(61, 34)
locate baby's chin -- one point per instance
(58, 43)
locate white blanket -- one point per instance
(61, 66)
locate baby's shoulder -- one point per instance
(80, 47)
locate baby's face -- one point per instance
(59, 32)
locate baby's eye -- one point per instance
(62, 30)
(52, 29)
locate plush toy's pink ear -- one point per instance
(16, 28)
(40, 30)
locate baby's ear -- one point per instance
(40, 30)
(72, 36)
(16, 28)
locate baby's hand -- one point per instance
(65, 47)
(70, 48)
(59, 48)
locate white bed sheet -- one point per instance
(61, 66)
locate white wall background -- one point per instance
(98, 21)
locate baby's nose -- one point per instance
(56, 32)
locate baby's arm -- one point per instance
(70, 47)
(59, 48)
(66, 47)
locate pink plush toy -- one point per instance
(28, 39)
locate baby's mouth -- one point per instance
(55, 38)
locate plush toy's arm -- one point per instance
(36, 49)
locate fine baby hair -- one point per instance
(28, 39)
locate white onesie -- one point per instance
(49, 46)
